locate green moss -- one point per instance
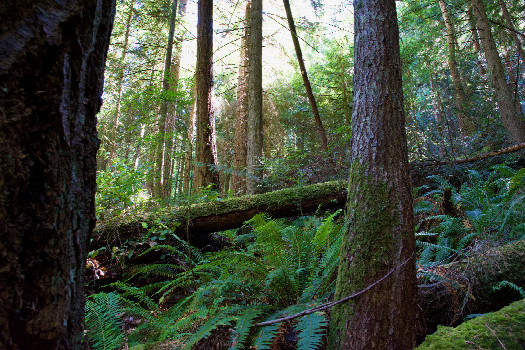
(263, 201)
(504, 329)
(369, 245)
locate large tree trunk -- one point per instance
(254, 149)
(206, 172)
(380, 228)
(189, 146)
(510, 115)
(460, 99)
(241, 113)
(52, 57)
(309, 93)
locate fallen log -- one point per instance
(198, 220)
(499, 152)
(502, 329)
(466, 287)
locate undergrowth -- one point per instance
(277, 269)
(484, 208)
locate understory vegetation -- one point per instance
(174, 296)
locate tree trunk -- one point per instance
(163, 147)
(254, 149)
(241, 113)
(380, 229)
(120, 83)
(206, 172)
(460, 99)
(475, 39)
(51, 77)
(189, 145)
(311, 99)
(510, 116)
(512, 31)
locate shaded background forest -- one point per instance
(450, 98)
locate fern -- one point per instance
(104, 328)
(265, 336)
(510, 285)
(311, 330)
(242, 327)
(224, 318)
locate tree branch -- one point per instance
(333, 303)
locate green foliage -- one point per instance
(507, 284)
(496, 206)
(311, 331)
(118, 188)
(277, 269)
(104, 328)
(493, 207)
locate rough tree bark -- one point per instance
(52, 57)
(306, 82)
(206, 147)
(254, 150)
(241, 113)
(379, 214)
(511, 117)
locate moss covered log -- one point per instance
(204, 218)
(467, 287)
(504, 329)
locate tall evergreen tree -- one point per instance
(206, 147)
(510, 115)
(379, 232)
(241, 112)
(254, 150)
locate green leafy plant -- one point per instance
(277, 269)
(104, 328)
(118, 188)
(490, 206)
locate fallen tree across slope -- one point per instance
(199, 220)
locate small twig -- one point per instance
(333, 303)
(495, 335)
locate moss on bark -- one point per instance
(226, 214)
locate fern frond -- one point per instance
(104, 328)
(224, 318)
(163, 270)
(265, 336)
(510, 285)
(322, 234)
(311, 330)
(137, 293)
(242, 327)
